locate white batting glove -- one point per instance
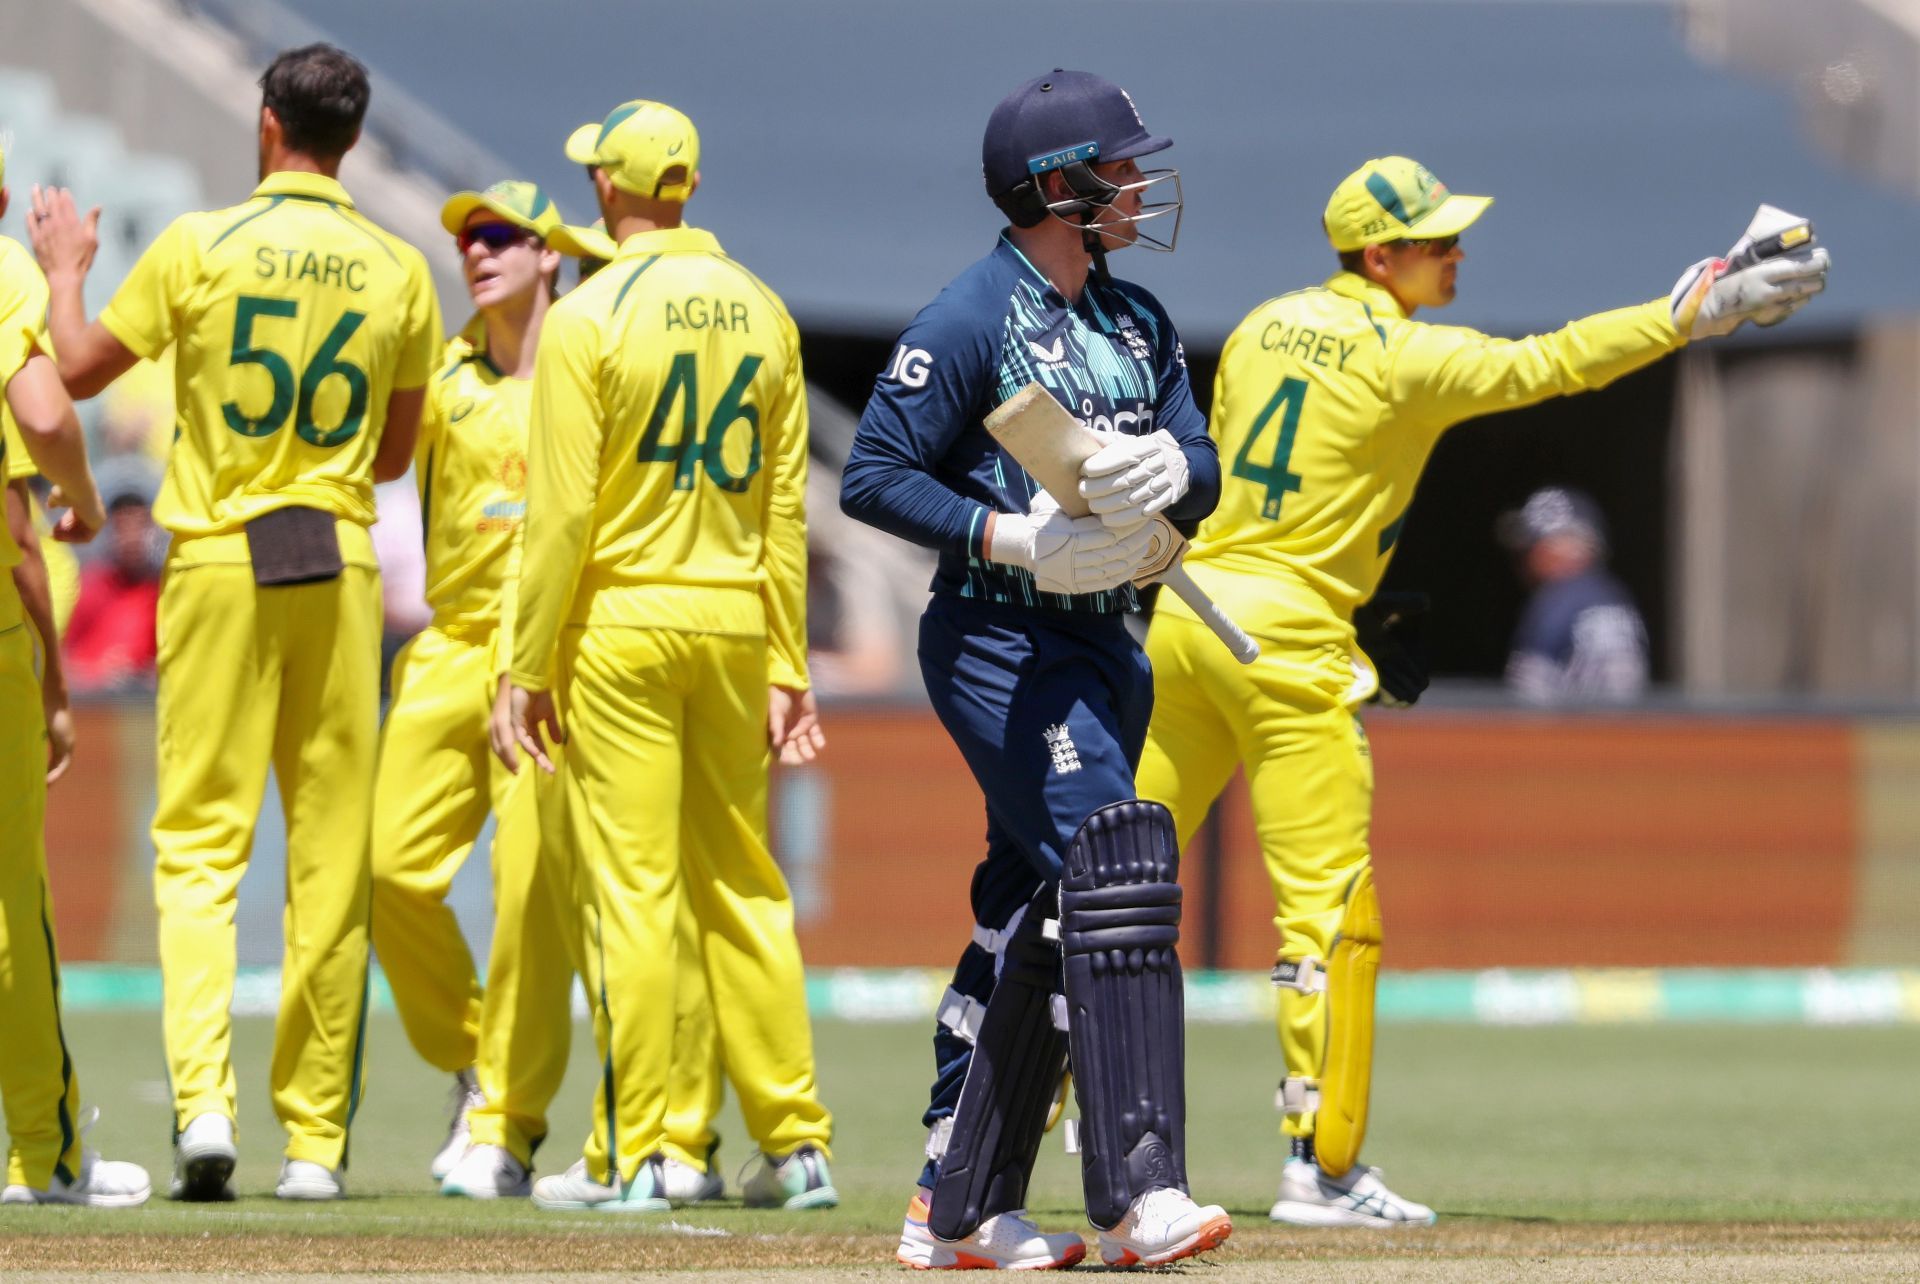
(1067, 554)
(1131, 478)
(1772, 270)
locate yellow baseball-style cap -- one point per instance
(593, 242)
(640, 144)
(1396, 199)
(527, 205)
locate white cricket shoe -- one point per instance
(573, 1191)
(1164, 1225)
(304, 1179)
(100, 1183)
(800, 1180)
(1007, 1242)
(686, 1184)
(203, 1160)
(1308, 1197)
(465, 1098)
(488, 1172)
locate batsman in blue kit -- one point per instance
(1027, 659)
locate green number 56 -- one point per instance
(290, 396)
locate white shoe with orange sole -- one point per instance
(1162, 1226)
(1007, 1242)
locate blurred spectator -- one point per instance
(1580, 638)
(109, 643)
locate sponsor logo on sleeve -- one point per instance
(910, 366)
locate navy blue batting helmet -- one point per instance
(1069, 121)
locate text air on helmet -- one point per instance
(1069, 122)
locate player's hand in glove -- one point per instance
(1391, 632)
(1773, 269)
(1067, 554)
(1131, 478)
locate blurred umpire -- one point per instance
(1327, 404)
(1581, 638)
(306, 335)
(1028, 662)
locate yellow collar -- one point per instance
(1374, 297)
(670, 240)
(298, 183)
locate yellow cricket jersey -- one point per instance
(669, 458)
(470, 464)
(296, 318)
(23, 315)
(1327, 403)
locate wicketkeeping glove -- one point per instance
(1391, 632)
(1131, 478)
(1068, 554)
(1771, 270)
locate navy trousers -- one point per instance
(1050, 710)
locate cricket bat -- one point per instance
(1052, 445)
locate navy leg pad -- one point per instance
(1019, 1055)
(1119, 926)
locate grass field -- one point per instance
(1642, 1153)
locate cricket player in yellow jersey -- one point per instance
(47, 1162)
(437, 779)
(306, 337)
(45, 576)
(663, 590)
(50, 569)
(1327, 404)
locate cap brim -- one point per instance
(461, 205)
(583, 144)
(1146, 146)
(1452, 217)
(582, 242)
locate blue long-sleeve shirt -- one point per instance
(924, 468)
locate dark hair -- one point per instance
(320, 94)
(1354, 260)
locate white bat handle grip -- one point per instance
(1244, 648)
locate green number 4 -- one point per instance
(1292, 394)
(289, 396)
(705, 449)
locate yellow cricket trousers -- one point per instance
(695, 1087)
(666, 796)
(251, 677)
(438, 779)
(38, 1088)
(1309, 778)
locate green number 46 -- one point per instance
(705, 449)
(1291, 395)
(289, 395)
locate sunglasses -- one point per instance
(495, 236)
(1434, 247)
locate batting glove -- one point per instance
(1772, 270)
(1131, 478)
(1068, 554)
